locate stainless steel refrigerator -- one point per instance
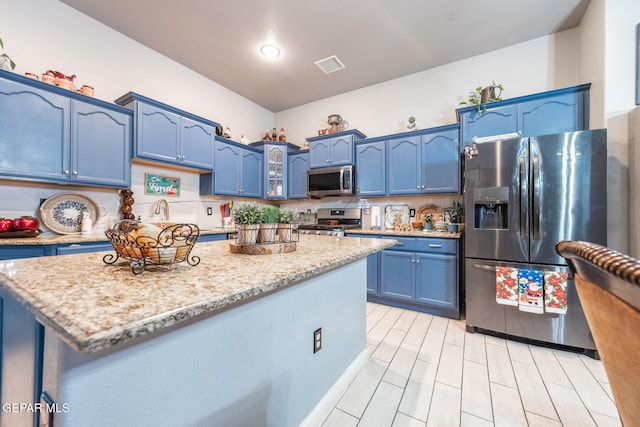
(522, 196)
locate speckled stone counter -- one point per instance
(422, 233)
(63, 239)
(93, 306)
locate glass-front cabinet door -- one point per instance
(275, 171)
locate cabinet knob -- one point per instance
(423, 187)
(66, 171)
(75, 172)
(417, 187)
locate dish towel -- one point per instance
(555, 292)
(507, 285)
(531, 289)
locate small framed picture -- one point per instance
(161, 185)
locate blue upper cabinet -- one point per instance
(425, 161)
(333, 150)
(404, 173)
(493, 121)
(101, 145)
(371, 165)
(197, 142)
(168, 135)
(556, 111)
(238, 171)
(276, 168)
(441, 160)
(297, 174)
(55, 135)
(564, 112)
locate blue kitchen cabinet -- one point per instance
(197, 143)
(404, 174)
(441, 161)
(101, 145)
(556, 111)
(204, 238)
(22, 251)
(552, 114)
(493, 121)
(275, 172)
(371, 166)
(77, 139)
(297, 176)
(373, 265)
(397, 275)
(251, 176)
(238, 171)
(81, 248)
(168, 135)
(333, 150)
(421, 273)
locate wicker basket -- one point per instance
(145, 244)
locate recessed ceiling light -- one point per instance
(270, 51)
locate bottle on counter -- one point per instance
(282, 138)
(274, 135)
(86, 223)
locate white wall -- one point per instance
(433, 95)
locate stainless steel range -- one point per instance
(333, 221)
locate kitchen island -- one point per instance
(227, 342)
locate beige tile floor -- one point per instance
(427, 370)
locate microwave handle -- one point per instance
(342, 180)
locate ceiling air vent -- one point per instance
(330, 64)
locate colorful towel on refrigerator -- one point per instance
(555, 292)
(531, 291)
(507, 285)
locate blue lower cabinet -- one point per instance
(420, 274)
(397, 275)
(16, 252)
(203, 238)
(81, 248)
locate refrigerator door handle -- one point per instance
(484, 267)
(535, 179)
(522, 196)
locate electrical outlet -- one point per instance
(317, 340)
(209, 210)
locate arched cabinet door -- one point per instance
(441, 162)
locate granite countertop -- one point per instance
(65, 239)
(414, 233)
(94, 306)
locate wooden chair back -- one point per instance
(608, 285)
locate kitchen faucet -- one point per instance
(163, 202)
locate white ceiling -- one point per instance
(377, 40)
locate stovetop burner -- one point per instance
(333, 221)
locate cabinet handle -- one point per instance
(423, 187)
(66, 171)
(75, 172)
(417, 187)
(417, 261)
(434, 245)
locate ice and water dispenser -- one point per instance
(491, 208)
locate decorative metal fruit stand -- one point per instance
(264, 239)
(148, 244)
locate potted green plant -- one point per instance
(482, 95)
(5, 59)
(286, 217)
(247, 217)
(456, 216)
(268, 225)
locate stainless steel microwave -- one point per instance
(334, 181)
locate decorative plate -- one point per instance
(435, 210)
(62, 213)
(393, 211)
